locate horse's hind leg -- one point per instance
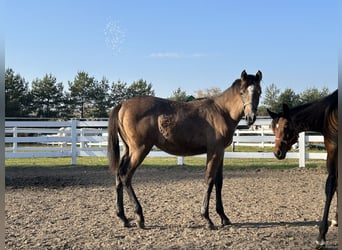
(120, 211)
(135, 159)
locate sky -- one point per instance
(193, 44)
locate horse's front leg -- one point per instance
(213, 164)
(205, 203)
(330, 188)
(219, 204)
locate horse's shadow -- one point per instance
(276, 224)
(241, 225)
(272, 224)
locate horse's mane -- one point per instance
(236, 85)
(233, 88)
(311, 115)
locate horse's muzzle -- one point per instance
(250, 119)
(280, 155)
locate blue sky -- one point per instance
(188, 44)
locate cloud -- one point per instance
(176, 55)
(199, 55)
(165, 55)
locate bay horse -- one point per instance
(202, 126)
(318, 116)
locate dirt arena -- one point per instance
(73, 208)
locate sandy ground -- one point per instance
(73, 208)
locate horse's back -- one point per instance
(143, 107)
(138, 115)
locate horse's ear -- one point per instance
(259, 75)
(272, 114)
(243, 75)
(286, 110)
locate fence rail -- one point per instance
(36, 139)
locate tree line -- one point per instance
(88, 97)
(274, 98)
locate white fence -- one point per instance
(34, 139)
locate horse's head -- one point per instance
(284, 131)
(250, 92)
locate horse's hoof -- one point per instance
(320, 244)
(211, 227)
(226, 222)
(127, 224)
(141, 224)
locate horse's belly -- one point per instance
(181, 149)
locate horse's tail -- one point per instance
(113, 140)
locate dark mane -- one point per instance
(309, 115)
(236, 83)
(235, 87)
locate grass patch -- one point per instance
(166, 162)
(309, 149)
(56, 162)
(235, 163)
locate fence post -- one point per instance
(301, 142)
(237, 132)
(15, 144)
(73, 141)
(180, 160)
(82, 145)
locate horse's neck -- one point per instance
(308, 118)
(231, 104)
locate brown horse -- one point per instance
(181, 128)
(319, 116)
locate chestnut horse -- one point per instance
(202, 126)
(318, 116)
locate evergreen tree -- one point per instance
(271, 97)
(17, 95)
(178, 95)
(140, 88)
(289, 97)
(82, 93)
(100, 99)
(47, 97)
(312, 94)
(118, 93)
